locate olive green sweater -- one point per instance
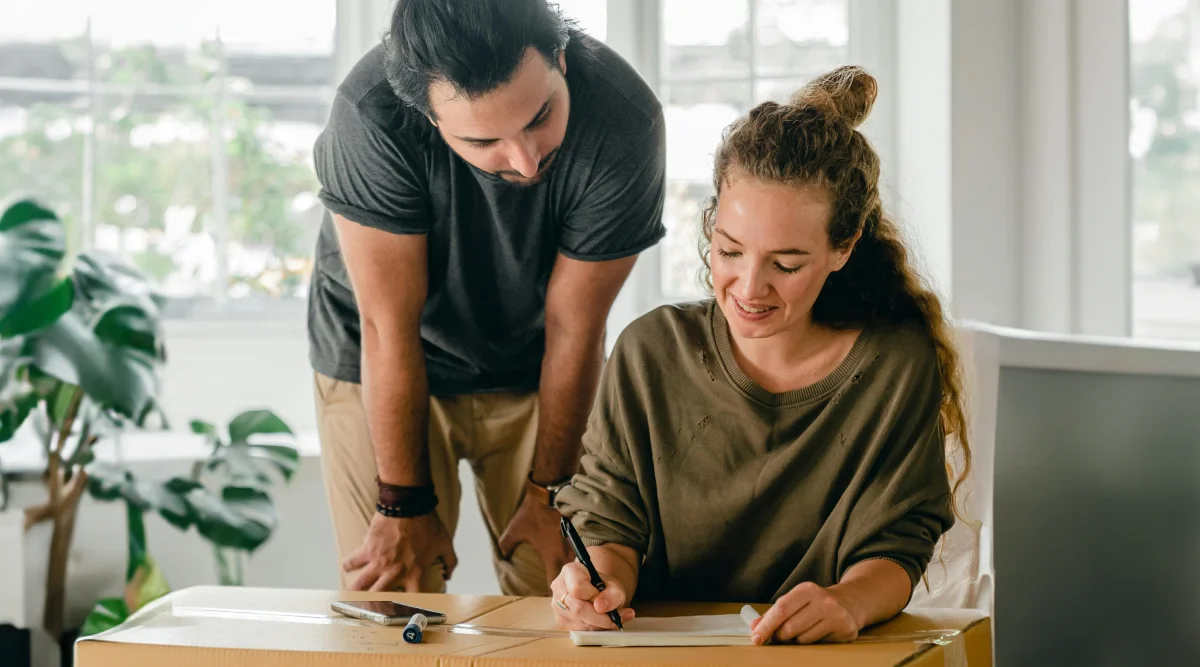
(733, 493)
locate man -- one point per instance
(491, 175)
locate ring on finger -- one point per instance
(562, 602)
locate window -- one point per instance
(1165, 147)
(180, 139)
(591, 15)
(718, 58)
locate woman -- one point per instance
(784, 441)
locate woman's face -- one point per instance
(770, 255)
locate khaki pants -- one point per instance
(495, 432)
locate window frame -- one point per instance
(634, 29)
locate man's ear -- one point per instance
(562, 61)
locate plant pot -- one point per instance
(66, 647)
(15, 646)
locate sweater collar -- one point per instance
(722, 340)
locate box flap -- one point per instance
(290, 602)
(257, 626)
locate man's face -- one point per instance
(513, 131)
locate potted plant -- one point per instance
(226, 498)
(80, 350)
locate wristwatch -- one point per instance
(544, 494)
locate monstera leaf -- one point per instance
(109, 482)
(32, 247)
(256, 422)
(206, 429)
(239, 518)
(125, 301)
(106, 615)
(123, 379)
(173, 505)
(250, 464)
(18, 396)
(39, 311)
(108, 343)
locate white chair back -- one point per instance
(961, 575)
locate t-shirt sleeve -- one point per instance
(370, 174)
(604, 500)
(620, 213)
(906, 506)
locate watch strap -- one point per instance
(544, 494)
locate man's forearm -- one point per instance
(396, 398)
(570, 373)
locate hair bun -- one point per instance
(847, 93)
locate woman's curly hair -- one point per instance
(813, 142)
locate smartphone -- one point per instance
(385, 612)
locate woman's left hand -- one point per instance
(805, 615)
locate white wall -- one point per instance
(1013, 157)
(216, 369)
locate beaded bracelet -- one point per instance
(405, 501)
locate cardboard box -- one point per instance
(231, 627)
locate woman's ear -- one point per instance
(843, 255)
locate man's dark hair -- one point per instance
(474, 45)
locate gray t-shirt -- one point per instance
(491, 244)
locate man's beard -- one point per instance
(544, 166)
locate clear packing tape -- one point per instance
(953, 645)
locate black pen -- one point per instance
(581, 553)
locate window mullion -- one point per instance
(88, 186)
(220, 172)
(752, 36)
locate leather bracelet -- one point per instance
(405, 501)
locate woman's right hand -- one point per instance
(579, 606)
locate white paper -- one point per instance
(718, 630)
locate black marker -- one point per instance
(581, 553)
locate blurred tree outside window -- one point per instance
(1164, 144)
(175, 135)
